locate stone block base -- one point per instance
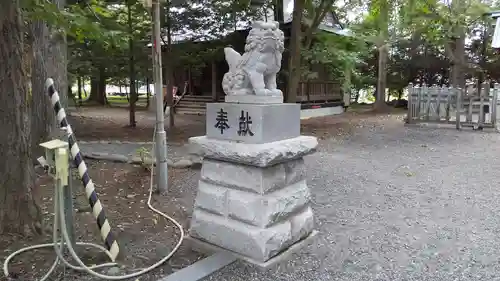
(252, 123)
(261, 155)
(256, 243)
(254, 99)
(205, 247)
(256, 212)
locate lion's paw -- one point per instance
(276, 93)
(261, 92)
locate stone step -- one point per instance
(201, 99)
(197, 98)
(187, 111)
(191, 105)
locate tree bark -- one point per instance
(380, 104)
(278, 11)
(458, 62)
(94, 88)
(148, 93)
(133, 92)
(18, 207)
(168, 68)
(294, 59)
(98, 86)
(102, 85)
(457, 52)
(400, 96)
(383, 11)
(49, 61)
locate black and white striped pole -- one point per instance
(77, 157)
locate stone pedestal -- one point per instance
(253, 199)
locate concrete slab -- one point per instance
(201, 269)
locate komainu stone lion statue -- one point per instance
(254, 72)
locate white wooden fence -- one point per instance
(453, 106)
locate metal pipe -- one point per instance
(161, 137)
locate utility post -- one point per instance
(160, 136)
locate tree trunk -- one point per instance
(80, 99)
(213, 77)
(168, 69)
(98, 86)
(148, 93)
(133, 92)
(356, 99)
(294, 59)
(457, 51)
(18, 207)
(458, 60)
(400, 96)
(101, 86)
(380, 104)
(94, 88)
(49, 61)
(278, 11)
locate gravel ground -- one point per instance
(391, 203)
(398, 203)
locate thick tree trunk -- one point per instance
(94, 88)
(102, 85)
(98, 86)
(18, 208)
(294, 59)
(456, 52)
(458, 60)
(49, 61)
(380, 104)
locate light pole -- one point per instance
(160, 134)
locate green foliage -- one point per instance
(335, 53)
(82, 23)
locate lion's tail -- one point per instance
(232, 57)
